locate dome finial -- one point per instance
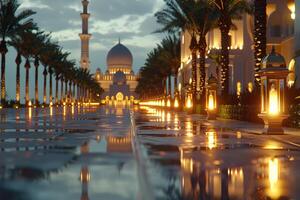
(273, 49)
(119, 40)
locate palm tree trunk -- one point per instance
(170, 86)
(74, 91)
(61, 89)
(175, 82)
(260, 38)
(70, 91)
(45, 85)
(27, 67)
(202, 50)
(36, 64)
(3, 50)
(56, 89)
(193, 47)
(225, 42)
(66, 91)
(18, 62)
(50, 85)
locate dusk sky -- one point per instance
(131, 20)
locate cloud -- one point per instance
(30, 4)
(66, 35)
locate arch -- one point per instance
(119, 96)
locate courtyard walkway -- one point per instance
(141, 153)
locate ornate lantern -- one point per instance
(211, 97)
(273, 75)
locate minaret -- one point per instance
(85, 36)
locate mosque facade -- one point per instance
(119, 80)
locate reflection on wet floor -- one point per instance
(194, 161)
(97, 153)
(67, 153)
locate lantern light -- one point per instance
(211, 97)
(273, 75)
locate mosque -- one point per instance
(119, 80)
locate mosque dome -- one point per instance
(119, 57)
(119, 78)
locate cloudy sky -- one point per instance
(131, 20)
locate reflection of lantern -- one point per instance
(273, 83)
(211, 97)
(211, 139)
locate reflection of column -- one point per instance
(84, 178)
(85, 175)
(224, 184)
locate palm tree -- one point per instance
(180, 16)
(47, 57)
(170, 57)
(260, 38)
(11, 23)
(227, 11)
(16, 43)
(27, 67)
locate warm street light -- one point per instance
(273, 75)
(211, 97)
(189, 99)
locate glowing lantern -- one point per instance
(176, 102)
(273, 75)
(211, 97)
(169, 102)
(189, 100)
(29, 104)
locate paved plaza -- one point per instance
(121, 152)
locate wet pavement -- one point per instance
(124, 152)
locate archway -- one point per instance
(119, 96)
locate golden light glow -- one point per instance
(30, 113)
(1, 107)
(85, 175)
(163, 103)
(292, 8)
(273, 172)
(50, 104)
(250, 87)
(189, 103)
(169, 103)
(29, 103)
(51, 111)
(238, 88)
(176, 103)
(211, 102)
(211, 139)
(273, 102)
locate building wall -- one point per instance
(283, 32)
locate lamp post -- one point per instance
(211, 98)
(273, 75)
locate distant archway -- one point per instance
(120, 96)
